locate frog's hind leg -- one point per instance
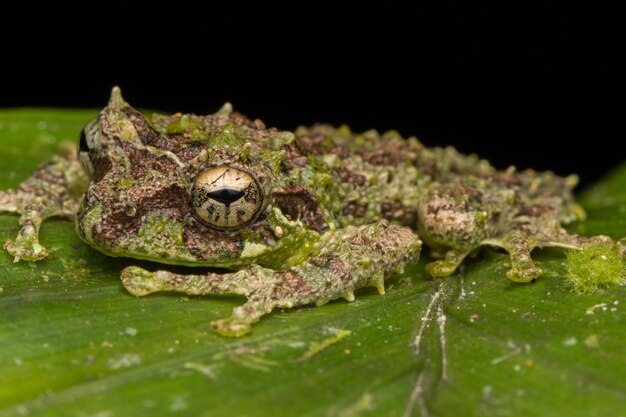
(353, 258)
(457, 216)
(514, 211)
(519, 245)
(54, 189)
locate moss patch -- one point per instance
(593, 267)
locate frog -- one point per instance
(285, 219)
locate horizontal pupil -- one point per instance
(226, 196)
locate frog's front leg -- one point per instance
(353, 258)
(54, 189)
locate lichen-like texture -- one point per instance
(595, 266)
(74, 343)
(303, 217)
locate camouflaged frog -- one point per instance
(298, 218)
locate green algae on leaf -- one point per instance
(593, 267)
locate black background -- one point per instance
(532, 90)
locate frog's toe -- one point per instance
(139, 282)
(525, 274)
(446, 267)
(231, 327)
(519, 246)
(441, 268)
(26, 249)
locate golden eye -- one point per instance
(87, 142)
(226, 198)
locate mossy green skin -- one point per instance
(302, 217)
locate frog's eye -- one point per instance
(82, 142)
(87, 141)
(226, 198)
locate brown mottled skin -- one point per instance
(300, 218)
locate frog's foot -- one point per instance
(519, 246)
(446, 267)
(25, 248)
(52, 190)
(353, 258)
(231, 327)
(26, 245)
(140, 282)
(264, 288)
(523, 269)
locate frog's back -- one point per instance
(327, 177)
(361, 178)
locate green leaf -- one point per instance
(74, 343)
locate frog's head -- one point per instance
(193, 190)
